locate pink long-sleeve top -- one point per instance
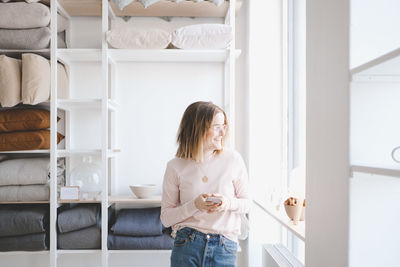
(183, 183)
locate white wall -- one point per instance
(374, 29)
(327, 133)
(152, 98)
(374, 234)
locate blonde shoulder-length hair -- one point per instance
(195, 123)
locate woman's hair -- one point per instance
(195, 123)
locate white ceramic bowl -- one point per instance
(143, 190)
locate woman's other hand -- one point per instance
(222, 206)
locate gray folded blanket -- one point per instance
(31, 242)
(79, 217)
(138, 222)
(88, 238)
(37, 38)
(117, 242)
(15, 221)
(21, 15)
(18, 193)
(24, 171)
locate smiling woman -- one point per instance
(205, 191)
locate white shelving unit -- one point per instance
(107, 107)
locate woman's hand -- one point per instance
(203, 205)
(222, 206)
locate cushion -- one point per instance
(10, 81)
(32, 1)
(35, 79)
(24, 171)
(37, 38)
(29, 140)
(122, 3)
(35, 86)
(20, 15)
(12, 120)
(138, 38)
(147, 3)
(202, 36)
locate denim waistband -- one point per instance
(210, 236)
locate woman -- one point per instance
(205, 191)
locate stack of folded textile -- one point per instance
(139, 229)
(79, 227)
(25, 25)
(24, 227)
(25, 129)
(27, 179)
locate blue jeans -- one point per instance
(195, 249)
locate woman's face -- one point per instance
(215, 133)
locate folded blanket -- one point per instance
(88, 238)
(164, 241)
(79, 217)
(24, 171)
(138, 222)
(37, 38)
(21, 15)
(31, 242)
(17, 193)
(15, 220)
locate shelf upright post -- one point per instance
(229, 75)
(112, 125)
(104, 140)
(53, 135)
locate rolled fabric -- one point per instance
(116, 242)
(32, 242)
(79, 217)
(20, 15)
(88, 238)
(17, 193)
(37, 38)
(138, 222)
(23, 220)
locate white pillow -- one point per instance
(135, 38)
(202, 36)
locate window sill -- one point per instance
(281, 217)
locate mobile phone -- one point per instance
(215, 200)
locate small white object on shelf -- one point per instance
(69, 193)
(143, 190)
